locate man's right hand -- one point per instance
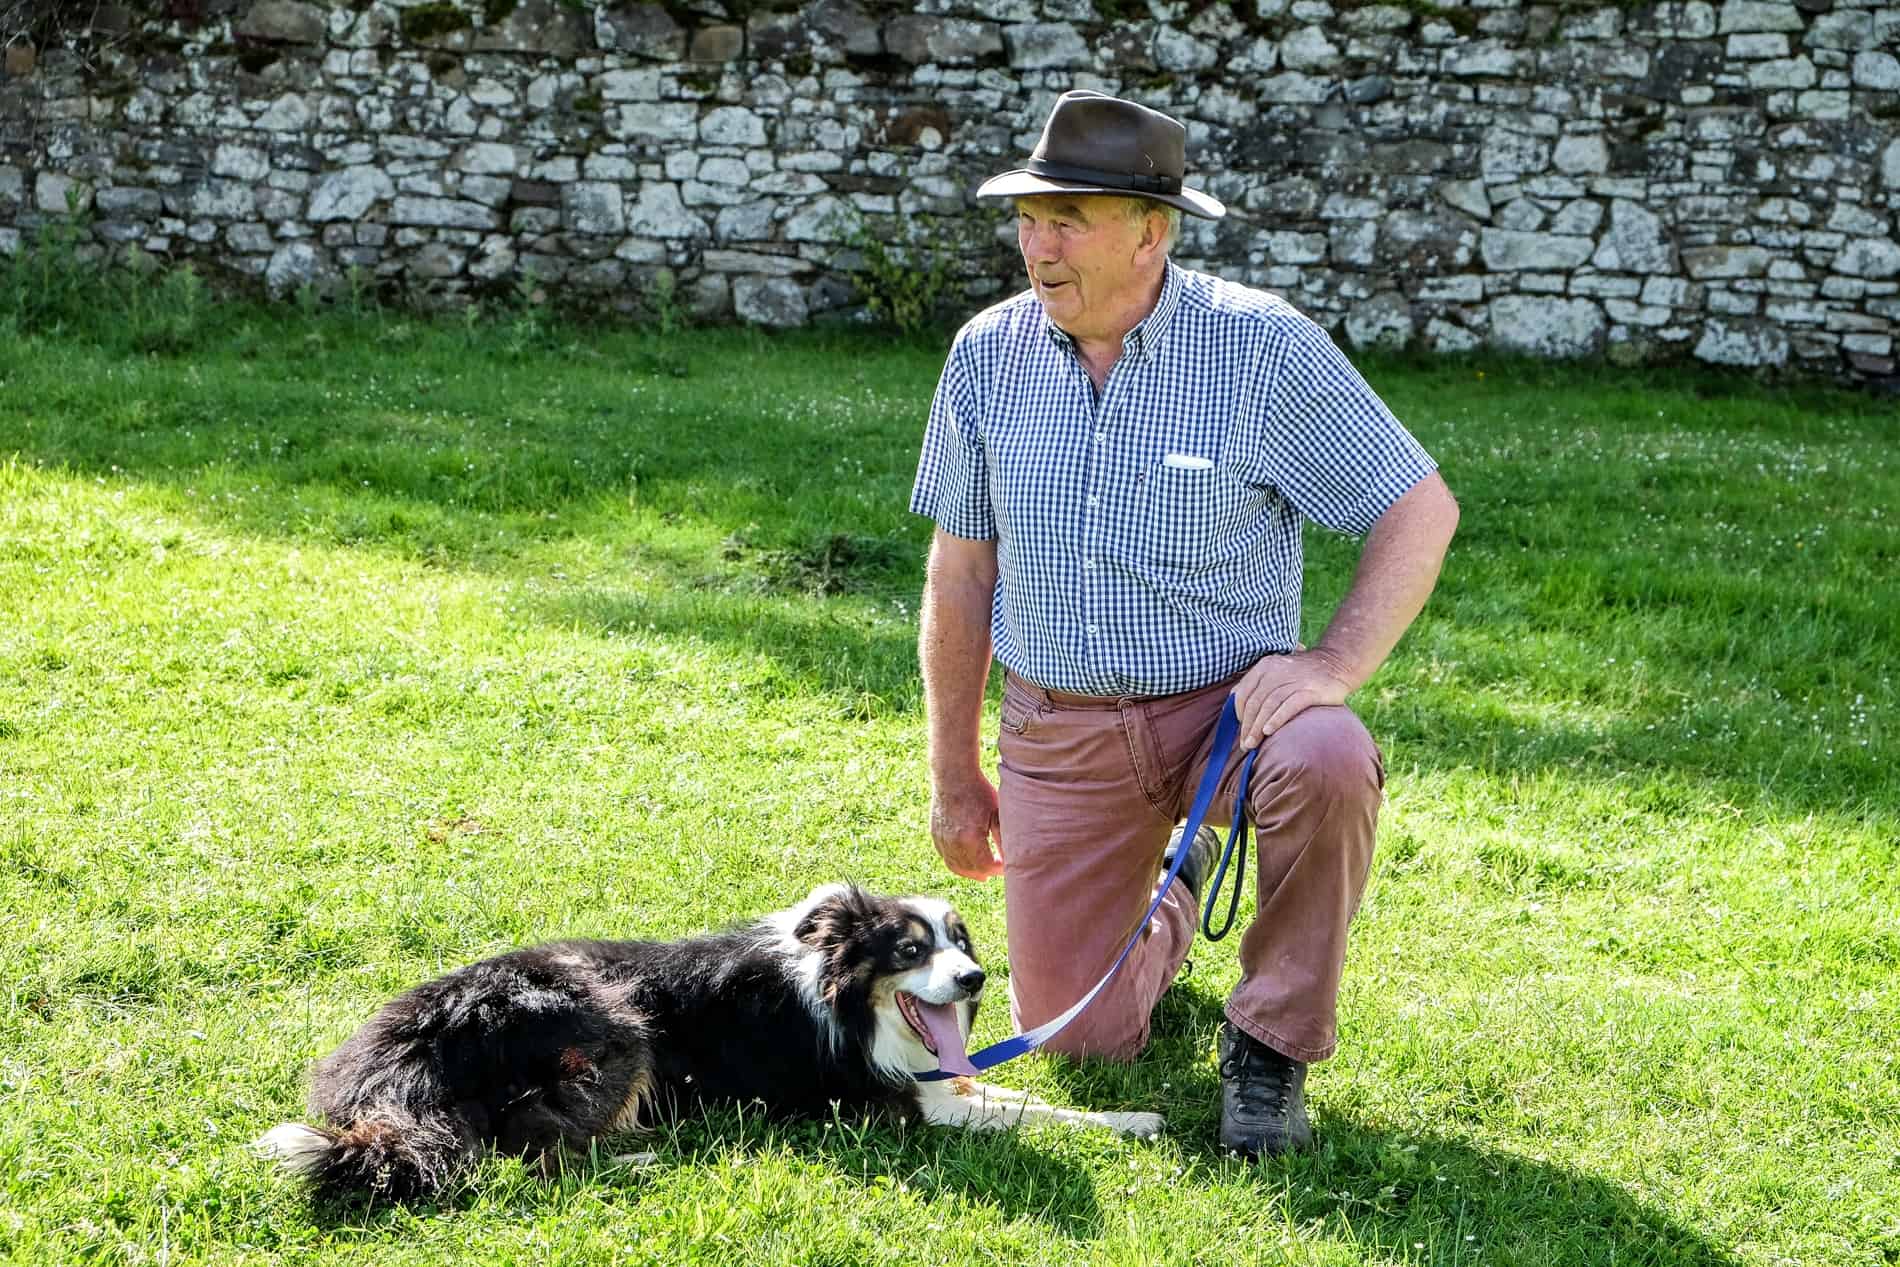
(965, 827)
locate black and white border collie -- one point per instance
(829, 1006)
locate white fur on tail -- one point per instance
(294, 1146)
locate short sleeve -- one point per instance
(1328, 443)
(952, 476)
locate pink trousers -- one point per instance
(1090, 790)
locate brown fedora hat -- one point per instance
(1098, 144)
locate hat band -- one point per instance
(1133, 181)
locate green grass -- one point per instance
(339, 651)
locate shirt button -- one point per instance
(1093, 499)
(1091, 629)
(1100, 436)
(1089, 563)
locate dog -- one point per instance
(830, 1006)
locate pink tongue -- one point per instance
(941, 1020)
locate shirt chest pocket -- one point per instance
(1191, 515)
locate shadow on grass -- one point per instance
(796, 453)
(995, 1170)
(1433, 1198)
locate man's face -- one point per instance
(1090, 262)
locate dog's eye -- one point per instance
(908, 950)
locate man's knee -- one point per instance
(1325, 753)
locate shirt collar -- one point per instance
(1151, 332)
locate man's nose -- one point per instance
(1038, 243)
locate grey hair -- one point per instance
(1138, 208)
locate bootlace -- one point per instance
(1262, 1077)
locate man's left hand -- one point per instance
(1281, 687)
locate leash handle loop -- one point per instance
(1236, 838)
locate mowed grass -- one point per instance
(341, 651)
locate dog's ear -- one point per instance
(831, 914)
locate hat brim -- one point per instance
(1021, 183)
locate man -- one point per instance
(1118, 462)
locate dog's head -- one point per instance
(900, 971)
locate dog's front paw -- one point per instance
(1139, 1125)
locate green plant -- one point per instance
(909, 282)
(661, 301)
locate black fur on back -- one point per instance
(549, 1047)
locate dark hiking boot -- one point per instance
(1262, 1097)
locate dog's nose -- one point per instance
(972, 981)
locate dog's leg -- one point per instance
(980, 1106)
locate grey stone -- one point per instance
(1873, 258)
(222, 200)
(1467, 196)
(1579, 218)
(732, 125)
(118, 201)
(594, 207)
(1307, 48)
(1637, 241)
(720, 43)
(920, 38)
(1581, 155)
(1508, 251)
(1353, 244)
(1706, 262)
(548, 28)
(769, 301)
(1742, 343)
(1421, 243)
(1760, 45)
(294, 265)
(348, 194)
(1758, 15)
(1795, 72)
(443, 213)
(1489, 58)
(659, 213)
(438, 261)
(240, 162)
(1847, 29)
(1546, 325)
(1385, 320)
(1878, 71)
(283, 22)
(845, 25)
(640, 30)
(1045, 45)
(756, 262)
(250, 239)
(1507, 154)
(1180, 53)
(654, 124)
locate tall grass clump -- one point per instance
(60, 283)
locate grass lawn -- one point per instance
(339, 651)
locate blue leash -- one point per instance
(1225, 733)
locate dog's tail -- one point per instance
(388, 1152)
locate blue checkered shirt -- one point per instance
(1148, 541)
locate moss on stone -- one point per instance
(495, 12)
(426, 21)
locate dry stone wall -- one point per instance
(1676, 180)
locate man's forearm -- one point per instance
(1396, 573)
(954, 653)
